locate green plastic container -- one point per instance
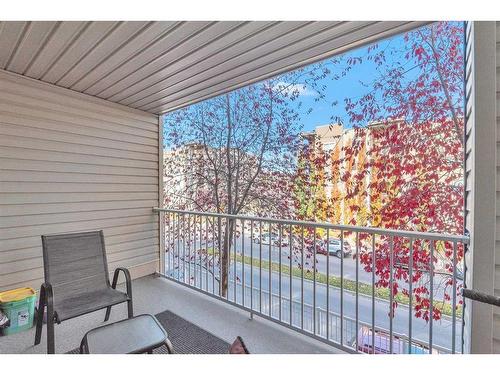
(19, 306)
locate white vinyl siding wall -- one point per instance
(482, 331)
(469, 143)
(496, 311)
(71, 162)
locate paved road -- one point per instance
(316, 295)
(348, 264)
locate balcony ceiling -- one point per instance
(161, 66)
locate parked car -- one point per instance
(382, 343)
(334, 248)
(270, 238)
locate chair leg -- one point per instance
(108, 313)
(50, 334)
(130, 308)
(39, 317)
(170, 348)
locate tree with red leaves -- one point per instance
(408, 132)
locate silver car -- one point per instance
(334, 248)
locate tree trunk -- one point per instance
(226, 255)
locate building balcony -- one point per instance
(153, 295)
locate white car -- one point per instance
(272, 239)
(334, 248)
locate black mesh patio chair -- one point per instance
(77, 281)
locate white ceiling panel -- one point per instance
(161, 66)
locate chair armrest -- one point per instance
(48, 295)
(128, 280)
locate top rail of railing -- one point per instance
(383, 232)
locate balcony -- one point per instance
(153, 295)
(81, 149)
(314, 289)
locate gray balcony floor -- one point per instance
(153, 295)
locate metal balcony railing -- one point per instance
(336, 283)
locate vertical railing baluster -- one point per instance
(410, 295)
(235, 271)
(200, 252)
(167, 242)
(172, 243)
(290, 273)
(178, 247)
(242, 262)
(270, 272)
(314, 280)
(373, 292)
(207, 264)
(328, 284)
(342, 288)
(302, 280)
(227, 249)
(213, 255)
(260, 267)
(280, 230)
(189, 234)
(431, 280)
(391, 296)
(251, 269)
(454, 299)
(194, 251)
(184, 248)
(219, 239)
(357, 288)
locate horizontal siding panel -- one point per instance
(30, 154)
(75, 100)
(17, 128)
(115, 234)
(44, 197)
(47, 176)
(148, 252)
(53, 208)
(42, 114)
(33, 143)
(72, 163)
(76, 226)
(30, 220)
(16, 255)
(55, 187)
(23, 98)
(34, 165)
(75, 128)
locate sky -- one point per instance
(353, 85)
